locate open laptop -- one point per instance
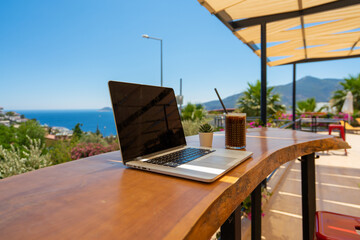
(151, 135)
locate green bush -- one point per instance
(30, 130)
(191, 127)
(14, 161)
(60, 151)
(193, 112)
(7, 136)
(93, 138)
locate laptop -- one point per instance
(152, 138)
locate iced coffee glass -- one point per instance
(235, 130)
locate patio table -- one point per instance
(99, 198)
(315, 121)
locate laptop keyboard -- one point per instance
(180, 157)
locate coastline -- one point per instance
(91, 119)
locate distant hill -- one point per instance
(306, 87)
(105, 109)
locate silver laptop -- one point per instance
(151, 135)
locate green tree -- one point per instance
(30, 130)
(249, 102)
(10, 114)
(193, 112)
(7, 136)
(307, 105)
(352, 84)
(98, 131)
(77, 132)
(60, 151)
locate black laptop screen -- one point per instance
(146, 118)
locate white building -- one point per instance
(5, 122)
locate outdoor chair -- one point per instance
(358, 120)
(348, 127)
(329, 225)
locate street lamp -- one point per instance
(161, 57)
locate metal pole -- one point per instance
(180, 86)
(180, 92)
(308, 195)
(161, 53)
(256, 213)
(294, 96)
(231, 229)
(263, 75)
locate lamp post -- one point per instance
(161, 55)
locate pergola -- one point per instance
(299, 31)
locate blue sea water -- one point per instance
(89, 119)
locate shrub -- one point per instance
(30, 130)
(83, 150)
(7, 136)
(191, 127)
(60, 151)
(193, 112)
(92, 138)
(14, 161)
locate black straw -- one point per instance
(221, 101)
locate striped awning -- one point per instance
(296, 30)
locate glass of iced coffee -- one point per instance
(235, 130)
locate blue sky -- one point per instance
(60, 54)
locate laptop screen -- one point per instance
(146, 117)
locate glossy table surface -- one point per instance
(99, 198)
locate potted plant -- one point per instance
(206, 135)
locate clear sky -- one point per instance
(60, 54)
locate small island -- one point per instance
(105, 109)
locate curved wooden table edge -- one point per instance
(224, 205)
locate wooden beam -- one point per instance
(321, 59)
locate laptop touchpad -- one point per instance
(215, 162)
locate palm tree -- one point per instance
(249, 102)
(308, 105)
(351, 84)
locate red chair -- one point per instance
(334, 226)
(342, 131)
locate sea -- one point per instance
(90, 119)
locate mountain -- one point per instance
(229, 102)
(105, 109)
(306, 87)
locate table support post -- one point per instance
(256, 213)
(231, 229)
(308, 195)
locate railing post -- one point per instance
(308, 195)
(231, 229)
(256, 213)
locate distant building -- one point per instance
(14, 118)
(5, 122)
(1, 110)
(60, 133)
(21, 120)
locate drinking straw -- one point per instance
(221, 101)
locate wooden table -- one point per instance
(99, 198)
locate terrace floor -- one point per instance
(337, 190)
